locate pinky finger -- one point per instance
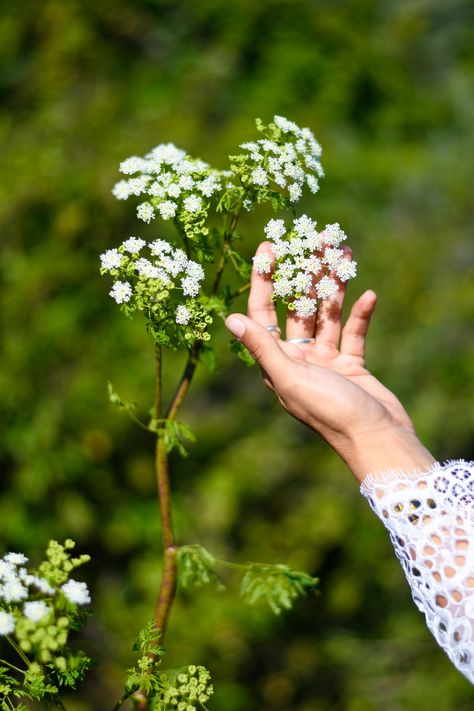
(357, 325)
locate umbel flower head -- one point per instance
(306, 264)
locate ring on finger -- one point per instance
(273, 329)
(300, 340)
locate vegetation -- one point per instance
(387, 89)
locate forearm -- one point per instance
(385, 449)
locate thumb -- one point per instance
(260, 344)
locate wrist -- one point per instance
(390, 447)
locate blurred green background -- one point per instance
(388, 90)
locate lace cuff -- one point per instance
(430, 518)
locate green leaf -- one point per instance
(277, 585)
(242, 267)
(197, 566)
(241, 352)
(115, 399)
(176, 435)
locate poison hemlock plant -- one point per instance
(181, 286)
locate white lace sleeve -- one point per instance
(430, 519)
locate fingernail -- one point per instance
(235, 326)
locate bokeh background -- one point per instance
(387, 87)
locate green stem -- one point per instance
(122, 700)
(18, 650)
(12, 666)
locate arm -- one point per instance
(427, 509)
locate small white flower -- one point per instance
(111, 259)
(193, 203)
(332, 257)
(121, 291)
(133, 165)
(186, 182)
(274, 229)
(296, 246)
(262, 263)
(279, 249)
(302, 283)
(282, 287)
(158, 190)
(167, 153)
(76, 592)
(41, 584)
(311, 264)
(13, 590)
(182, 315)
(295, 192)
(194, 270)
(159, 247)
(304, 226)
(346, 270)
(208, 186)
(145, 212)
(7, 623)
(146, 269)
(312, 183)
(121, 190)
(333, 235)
(279, 179)
(285, 125)
(134, 244)
(190, 286)
(326, 287)
(35, 610)
(7, 570)
(15, 558)
(305, 307)
(167, 209)
(259, 176)
(174, 190)
(137, 186)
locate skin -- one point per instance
(326, 384)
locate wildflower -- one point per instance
(333, 235)
(121, 291)
(295, 192)
(193, 203)
(35, 610)
(326, 287)
(132, 165)
(275, 229)
(259, 176)
(111, 259)
(305, 307)
(346, 269)
(262, 263)
(7, 623)
(190, 286)
(145, 268)
(76, 592)
(41, 584)
(167, 209)
(13, 590)
(121, 190)
(15, 558)
(145, 212)
(133, 244)
(182, 315)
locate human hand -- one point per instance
(325, 383)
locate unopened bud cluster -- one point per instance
(190, 690)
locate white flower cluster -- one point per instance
(307, 263)
(165, 265)
(288, 156)
(172, 182)
(17, 585)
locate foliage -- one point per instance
(387, 87)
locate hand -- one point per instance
(325, 384)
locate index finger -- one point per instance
(260, 307)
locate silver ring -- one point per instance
(300, 340)
(273, 329)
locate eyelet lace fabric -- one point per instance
(430, 518)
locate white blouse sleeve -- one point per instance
(430, 518)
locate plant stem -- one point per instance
(185, 381)
(18, 650)
(12, 666)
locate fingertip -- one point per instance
(236, 325)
